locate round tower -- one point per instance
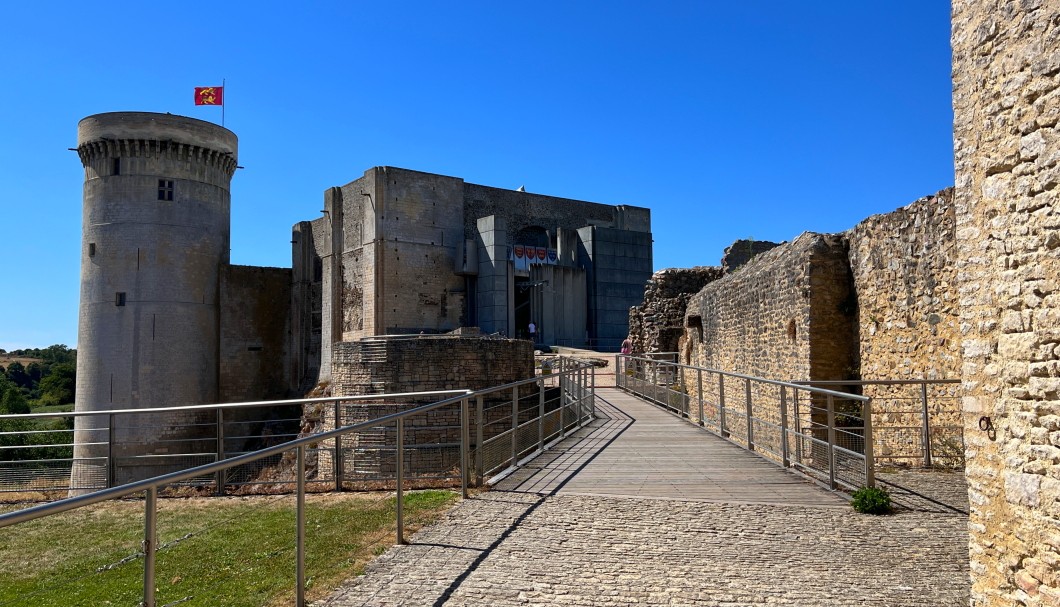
(155, 234)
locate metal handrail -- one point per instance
(577, 371)
(103, 495)
(746, 429)
(775, 382)
(243, 405)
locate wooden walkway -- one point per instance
(636, 449)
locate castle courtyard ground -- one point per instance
(644, 508)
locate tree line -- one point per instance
(47, 381)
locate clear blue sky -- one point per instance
(728, 119)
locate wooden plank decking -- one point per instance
(636, 449)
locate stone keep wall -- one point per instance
(787, 314)
(658, 323)
(1006, 102)
(254, 329)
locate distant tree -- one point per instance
(13, 402)
(58, 353)
(57, 388)
(17, 374)
(35, 371)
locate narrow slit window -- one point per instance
(91, 249)
(119, 298)
(165, 189)
(117, 167)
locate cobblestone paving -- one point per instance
(545, 545)
(505, 548)
(927, 490)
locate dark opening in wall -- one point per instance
(91, 249)
(318, 269)
(119, 298)
(792, 330)
(253, 348)
(696, 322)
(165, 189)
(116, 168)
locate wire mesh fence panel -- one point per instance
(767, 439)
(849, 468)
(497, 452)
(551, 425)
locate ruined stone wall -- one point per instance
(429, 363)
(787, 314)
(905, 277)
(1006, 102)
(658, 324)
(421, 364)
(741, 251)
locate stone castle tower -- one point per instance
(155, 239)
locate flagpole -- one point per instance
(225, 93)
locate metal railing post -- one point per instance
(870, 447)
(465, 446)
(784, 456)
(798, 426)
(399, 460)
(592, 394)
(339, 460)
(618, 381)
(220, 436)
(699, 388)
(655, 381)
(562, 409)
(479, 473)
(831, 442)
(515, 425)
(111, 467)
(583, 392)
(299, 532)
(721, 406)
(750, 422)
(541, 413)
(926, 428)
(150, 544)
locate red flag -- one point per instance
(209, 95)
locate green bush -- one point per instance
(871, 500)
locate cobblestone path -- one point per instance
(551, 535)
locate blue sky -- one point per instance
(757, 119)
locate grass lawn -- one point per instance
(230, 551)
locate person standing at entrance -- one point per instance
(533, 332)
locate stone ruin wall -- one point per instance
(658, 323)
(1006, 102)
(435, 362)
(875, 302)
(905, 279)
(783, 315)
(741, 251)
